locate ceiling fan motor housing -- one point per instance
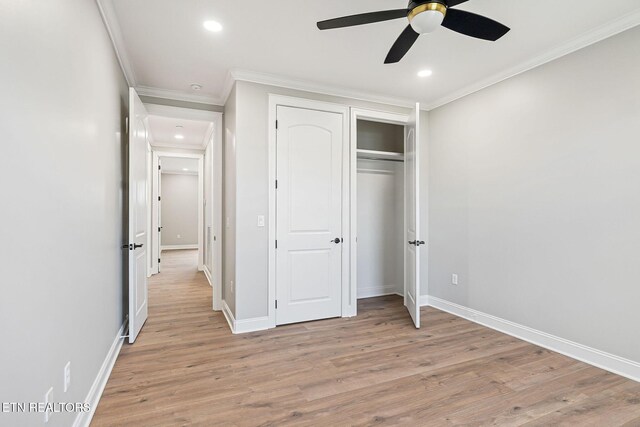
(426, 16)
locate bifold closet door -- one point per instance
(309, 215)
(412, 214)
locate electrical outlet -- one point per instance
(260, 220)
(454, 279)
(48, 399)
(67, 376)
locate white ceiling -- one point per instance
(163, 131)
(167, 47)
(178, 165)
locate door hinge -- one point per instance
(159, 229)
(276, 304)
(276, 184)
(159, 167)
(158, 260)
(276, 244)
(276, 124)
(159, 198)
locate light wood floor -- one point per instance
(188, 369)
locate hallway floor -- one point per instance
(186, 368)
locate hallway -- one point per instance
(186, 368)
(148, 374)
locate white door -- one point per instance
(138, 212)
(159, 215)
(309, 215)
(412, 213)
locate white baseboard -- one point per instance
(83, 419)
(244, 326)
(377, 291)
(207, 273)
(229, 316)
(609, 362)
(178, 247)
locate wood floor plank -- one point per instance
(187, 369)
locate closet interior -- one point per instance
(380, 208)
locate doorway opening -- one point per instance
(179, 207)
(186, 189)
(385, 206)
(380, 209)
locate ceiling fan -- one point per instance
(424, 17)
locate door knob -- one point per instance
(337, 240)
(136, 246)
(413, 242)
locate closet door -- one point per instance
(412, 221)
(309, 215)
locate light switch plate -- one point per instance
(454, 279)
(260, 220)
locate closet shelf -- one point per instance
(380, 155)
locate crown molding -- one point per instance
(307, 86)
(178, 95)
(181, 112)
(176, 146)
(110, 20)
(228, 86)
(109, 17)
(596, 35)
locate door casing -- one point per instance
(374, 116)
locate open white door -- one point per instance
(159, 215)
(412, 213)
(138, 211)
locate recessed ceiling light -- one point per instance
(213, 26)
(196, 86)
(425, 73)
(185, 169)
(178, 136)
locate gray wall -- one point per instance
(209, 203)
(181, 104)
(380, 136)
(251, 104)
(229, 203)
(380, 222)
(179, 209)
(62, 112)
(534, 193)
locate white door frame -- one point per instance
(349, 297)
(374, 116)
(200, 157)
(215, 117)
(215, 276)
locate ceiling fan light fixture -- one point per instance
(427, 17)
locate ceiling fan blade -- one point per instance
(402, 45)
(451, 3)
(363, 18)
(473, 25)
